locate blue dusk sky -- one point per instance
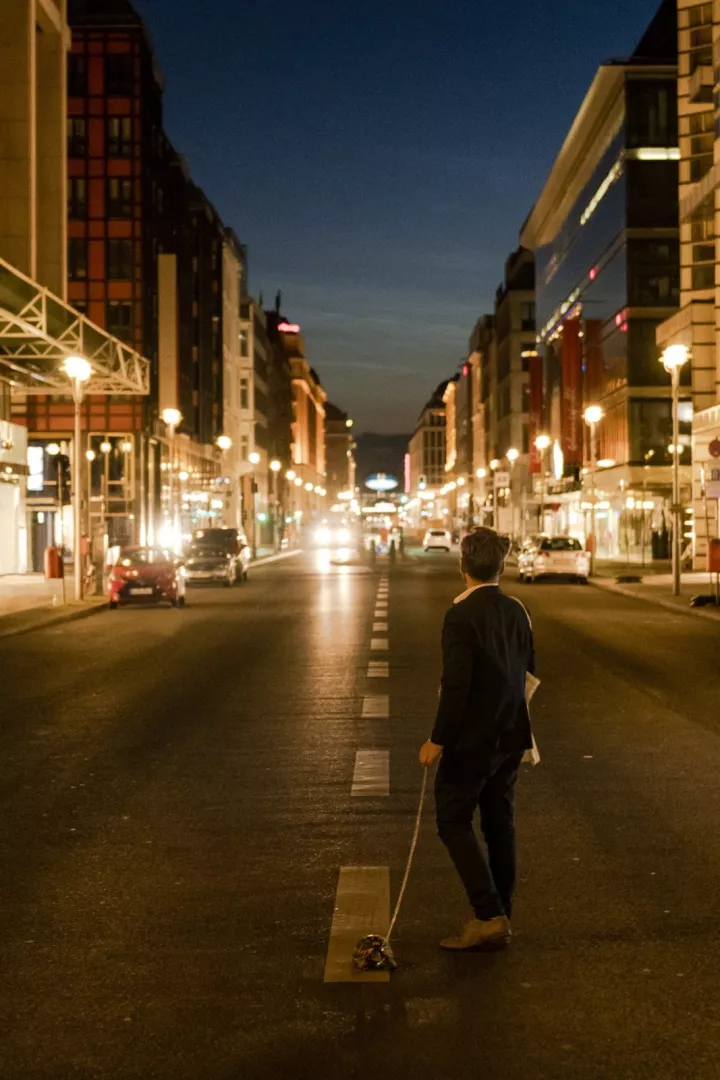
(378, 159)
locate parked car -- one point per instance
(554, 556)
(146, 575)
(209, 546)
(437, 540)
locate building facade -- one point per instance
(697, 324)
(339, 451)
(605, 235)
(427, 454)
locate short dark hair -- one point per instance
(483, 553)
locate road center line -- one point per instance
(378, 669)
(372, 773)
(379, 644)
(380, 627)
(376, 706)
(362, 906)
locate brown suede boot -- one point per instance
(481, 934)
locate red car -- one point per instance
(146, 575)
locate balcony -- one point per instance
(700, 86)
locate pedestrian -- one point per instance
(481, 732)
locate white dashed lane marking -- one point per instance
(376, 706)
(372, 773)
(378, 669)
(379, 644)
(380, 628)
(362, 906)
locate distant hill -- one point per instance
(381, 453)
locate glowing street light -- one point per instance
(224, 443)
(673, 360)
(542, 445)
(512, 455)
(275, 466)
(254, 458)
(290, 474)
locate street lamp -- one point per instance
(275, 467)
(592, 416)
(53, 449)
(673, 360)
(542, 444)
(512, 455)
(78, 371)
(224, 444)
(172, 419)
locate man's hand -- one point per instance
(429, 753)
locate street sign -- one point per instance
(502, 479)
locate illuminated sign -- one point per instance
(381, 482)
(36, 468)
(289, 328)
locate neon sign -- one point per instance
(289, 328)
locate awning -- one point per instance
(38, 331)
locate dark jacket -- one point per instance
(487, 644)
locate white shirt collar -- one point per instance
(482, 585)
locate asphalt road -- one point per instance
(176, 808)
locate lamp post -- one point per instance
(53, 449)
(494, 466)
(480, 474)
(275, 468)
(172, 418)
(673, 359)
(106, 450)
(542, 443)
(254, 459)
(78, 371)
(592, 416)
(512, 455)
(224, 445)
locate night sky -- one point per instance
(379, 159)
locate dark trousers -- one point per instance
(461, 786)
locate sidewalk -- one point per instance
(29, 602)
(656, 588)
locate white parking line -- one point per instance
(362, 906)
(378, 669)
(376, 706)
(379, 644)
(372, 773)
(380, 627)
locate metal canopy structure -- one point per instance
(38, 331)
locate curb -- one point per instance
(24, 622)
(265, 559)
(607, 586)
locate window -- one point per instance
(119, 136)
(700, 166)
(526, 397)
(703, 276)
(561, 543)
(77, 137)
(119, 260)
(703, 229)
(77, 259)
(651, 430)
(119, 319)
(700, 14)
(77, 75)
(651, 113)
(244, 394)
(527, 316)
(119, 198)
(119, 75)
(77, 197)
(243, 343)
(244, 447)
(260, 402)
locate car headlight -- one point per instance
(323, 535)
(343, 536)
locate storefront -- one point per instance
(13, 478)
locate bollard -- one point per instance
(372, 553)
(392, 552)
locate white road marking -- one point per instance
(378, 669)
(376, 706)
(380, 627)
(362, 906)
(372, 773)
(379, 644)
(380, 613)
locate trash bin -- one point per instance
(54, 565)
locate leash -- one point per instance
(411, 856)
(374, 952)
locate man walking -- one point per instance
(482, 730)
